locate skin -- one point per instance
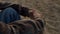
(34, 14)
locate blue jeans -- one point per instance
(9, 15)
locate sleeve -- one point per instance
(22, 27)
(28, 26)
(40, 24)
(15, 28)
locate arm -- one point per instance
(23, 26)
(37, 17)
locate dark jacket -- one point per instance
(23, 27)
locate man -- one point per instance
(27, 26)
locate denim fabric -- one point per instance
(9, 15)
(0, 15)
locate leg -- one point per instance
(9, 15)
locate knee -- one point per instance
(9, 9)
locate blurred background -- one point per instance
(50, 10)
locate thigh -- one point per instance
(9, 15)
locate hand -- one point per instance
(34, 14)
